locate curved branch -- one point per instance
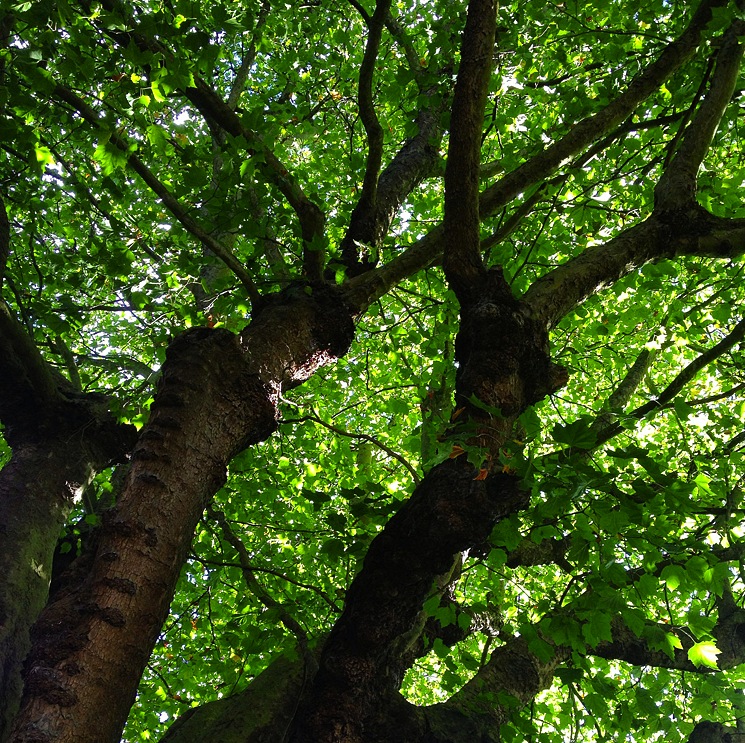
(169, 200)
(310, 215)
(250, 580)
(514, 673)
(4, 241)
(515, 670)
(418, 158)
(686, 375)
(362, 436)
(365, 103)
(677, 186)
(218, 113)
(695, 233)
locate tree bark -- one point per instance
(58, 439)
(218, 394)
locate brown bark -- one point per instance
(462, 262)
(217, 395)
(691, 231)
(36, 494)
(429, 250)
(366, 654)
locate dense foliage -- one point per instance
(138, 209)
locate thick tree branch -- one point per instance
(366, 654)
(418, 158)
(464, 268)
(677, 186)
(696, 233)
(28, 384)
(715, 732)
(514, 674)
(366, 104)
(4, 242)
(59, 438)
(427, 251)
(515, 671)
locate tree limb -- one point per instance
(218, 113)
(695, 233)
(676, 188)
(464, 268)
(366, 106)
(715, 732)
(686, 375)
(168, 199)
(4, 241)
(593, 127)
(250, 580)
(417, 159)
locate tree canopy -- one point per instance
(372, 371)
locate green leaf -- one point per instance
(704, 654)
(576, 434)
(673, 576)
(597, 628)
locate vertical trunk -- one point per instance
(35, 498)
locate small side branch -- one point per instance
(217, 113)
(362, 437)
(169, 200)
(686, 375)
(4, 241)
(598, 125)
(252, 584)
(619, 398)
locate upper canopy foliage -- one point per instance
(167, 165)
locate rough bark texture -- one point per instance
(58, 438)
(715, 732)
(261, 714)
(217, 395)
(34, 503)
(366, 655)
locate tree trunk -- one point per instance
(217, 395)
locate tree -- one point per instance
(371, 373)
